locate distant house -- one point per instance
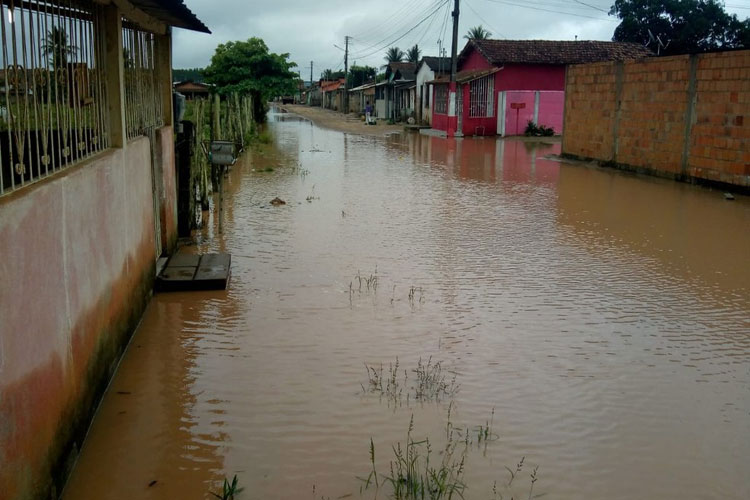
(395, 97)
(314, 96)
(360, 96)
(191, 89)
(332, 94)
(428, 69)
(504, 84)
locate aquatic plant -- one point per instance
(430, 383)
(229, 490)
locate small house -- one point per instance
(191, 89)
(501, 85)
(428, 69)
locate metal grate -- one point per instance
(53, 109)
(481, 102)
(441, 99)
(143, 101)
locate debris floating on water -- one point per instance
(277, 201)
(728, 196)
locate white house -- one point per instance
(427, 70)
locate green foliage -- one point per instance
(477, 33)
(332, 75)
(394, 54)
(358, 75)
(532, 130)
(249, 68)
(412, 55)
(229, 490)
(56, 47)
(683, 26)
(192, 74)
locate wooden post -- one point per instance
(216, 125)
(111, 31)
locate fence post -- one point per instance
(185, 180)
(689, 114)
(110, 29)
(619, 77)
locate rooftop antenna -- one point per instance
(659, 44)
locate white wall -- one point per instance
(425, 74)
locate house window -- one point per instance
(143, 104)
(53, 108)
(481, 102)
(441, 99)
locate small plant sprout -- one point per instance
(229, 490)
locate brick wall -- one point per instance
(684, 117)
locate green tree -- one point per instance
(412, 55)
(56, 47)
(249, 68)
(679, 26)
(394, 54)
(330, 75)
(192, 74)
(358, 75)
(477, 33)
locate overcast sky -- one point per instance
(308, 30)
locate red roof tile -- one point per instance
(499, 52)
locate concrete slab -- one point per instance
(185, 272)
(184, 260)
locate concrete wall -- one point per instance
(78, 255)
(683, 117)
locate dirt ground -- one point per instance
(338, 121)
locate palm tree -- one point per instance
(477, 33)
(56, 47)
(412, 55)
(394, 54)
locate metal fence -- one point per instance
(143, 100)
(481, 102)
(52, 91)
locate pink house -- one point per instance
(504, 84)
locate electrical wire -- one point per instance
(506, 2)
(497, 31)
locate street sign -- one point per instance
(517, 105)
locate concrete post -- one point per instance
(689, 114)
(619, 77)
(110, 29)
(163, 49)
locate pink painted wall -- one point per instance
(77, 270)
(551, 105)
(530, 77)
(516, 119)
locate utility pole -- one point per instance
(346, 74)
(454, 44)
(453, 103)
(311, 73)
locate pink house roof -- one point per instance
(499, 52)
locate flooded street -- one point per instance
(604, 317)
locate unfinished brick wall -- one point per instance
(684, 117)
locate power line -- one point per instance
(360, 52)
(432, 13)
(505, 2)
(483, 20)
(592, 6)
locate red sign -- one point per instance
(517, 105)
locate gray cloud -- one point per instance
(308, 30)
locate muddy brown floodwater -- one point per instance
(605, 317)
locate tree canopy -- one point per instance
(358, 75)
(682, 26)
(394, 54)
(249, 68)
(412, 55)
(331, 75)
(192, 74)
(477, 33)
